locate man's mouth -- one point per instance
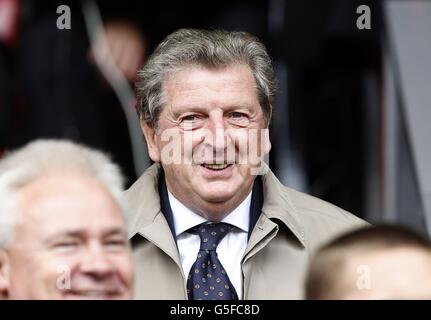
(94, 294)
(215, 166)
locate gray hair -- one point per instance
(41, 157)
(211, 49)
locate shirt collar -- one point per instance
(184, 218)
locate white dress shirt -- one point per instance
(230, 249)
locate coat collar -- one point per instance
(278, 205)
(144, 201)
(255, 205)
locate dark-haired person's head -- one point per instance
(379, 262)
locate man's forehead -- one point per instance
(70, 223)
(51, 182)
(66, 199)
(194, 88)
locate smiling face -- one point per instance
(211, 121)
(69, 243)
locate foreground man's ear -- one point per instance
(150, 138)
(4, 274)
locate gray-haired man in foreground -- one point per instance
(62, 225)
(211, 220)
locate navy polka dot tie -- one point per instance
(207, 279)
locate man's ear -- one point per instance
(4, 274)
(266, 142)
(150, 137)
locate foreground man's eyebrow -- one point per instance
(117, 231)
(76, 234)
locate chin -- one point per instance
(222, 191)
(217, 198)
(219, 193)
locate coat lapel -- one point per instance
(150, 222)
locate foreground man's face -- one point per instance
(70, 243)
(211, 114)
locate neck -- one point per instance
(211, 211)
(215, 212)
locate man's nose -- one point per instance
(218, 138)
(95, 261)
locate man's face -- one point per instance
(215, 117)
(69, 242)
(402, 273)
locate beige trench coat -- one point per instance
(292, 225)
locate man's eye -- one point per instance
(116, 244)
(237, 115)
(191, 121)
(238, 119)
(66, 245)
(190, 118)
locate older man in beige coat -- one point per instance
(211, 220)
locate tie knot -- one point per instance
(211, 234)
